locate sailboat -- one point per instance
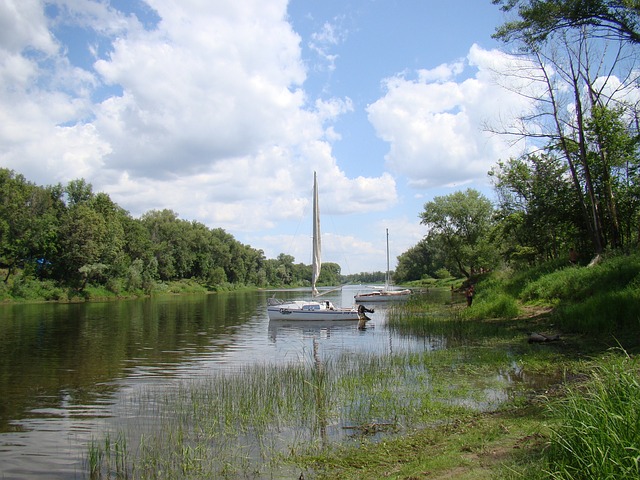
(386, 293)
(311, 310)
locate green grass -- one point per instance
(601, 299)
(478, 402)
(597, 434)
(269, 419)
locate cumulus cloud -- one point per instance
(197, 107)
(205, 108)
(434, 122)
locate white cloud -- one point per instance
(202, 112)
(203, 108)
(325, 40)
(434, 123)
(23, 24)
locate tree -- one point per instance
(113, 254)
(415, 263)
(28, 222)
(329, 274)
(612, 158)
(78, 191)
(459, 225)
(537, 208)
(582, 59)
(166, 233)
(82, 243)
(538, 19)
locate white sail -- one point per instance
(316, 261)
(313, 310)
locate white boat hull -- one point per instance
(391, 296)
(311, 311)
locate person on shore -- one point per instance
(469, 293)
(573, 256)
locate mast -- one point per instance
(387, 276)
(316, 261)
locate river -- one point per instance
(67, 370)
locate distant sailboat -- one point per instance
(386, 293)
(311, 310)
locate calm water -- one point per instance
(67, 371)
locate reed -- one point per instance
(247, 423)
(599, 425)
(428, 320)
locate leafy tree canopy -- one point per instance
(619, 19)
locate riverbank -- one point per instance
(449, 392)
(30, 290)
(582, 423)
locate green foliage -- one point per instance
(89, 242)
(416, 262)
(492, 305)
(371, 277)
(330, 274)
(576, 284)
(537, 209)
(616, 19)
(603, 298)
(24, 287)
(598, 433)
(459, 226)
(442, 273)
(580, 117)
(609, 311)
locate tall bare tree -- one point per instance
(577, 70)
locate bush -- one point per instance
(442, 273)
(493, 305)
(25, 287)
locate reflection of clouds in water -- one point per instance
(170, 342)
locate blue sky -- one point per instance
(221, 111)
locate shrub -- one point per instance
(442, 273)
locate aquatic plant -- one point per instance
(249, 422)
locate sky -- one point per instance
(222, 110)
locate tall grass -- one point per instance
(600, 299)
(427, 320)
(599, 432)
(246, 424)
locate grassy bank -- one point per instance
(584, 424)
(25, 289)
(481, 401)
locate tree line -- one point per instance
(577, 186)
(74, 237)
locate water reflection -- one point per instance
(65, 369)
(68, 371)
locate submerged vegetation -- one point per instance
(479, 401)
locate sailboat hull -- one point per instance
(383, 296)
(311, 311)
